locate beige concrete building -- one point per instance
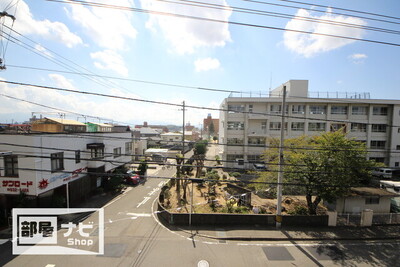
(247, 123)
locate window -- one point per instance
(117, 152)
(128, 148)
(378, 159)
(277, 109)
(397, 147)
(77, 156)
(359, 110)
(263, 125)
(297, 126)
(254, 158)
(97, 153)
(231, 157)
(235, 108)
(379, 128)
(298, 109)
(378, 144)
(338, 126)
(372, 200)
(11, 165)
(317, 109)
(381, 111)
(339, 110)
(396, 164)
(256, 141)
(250, 108)
(234, 141)
(57, 161)
(358, 127)
(316, 126)
(235, 125)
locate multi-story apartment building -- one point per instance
(247, 123)
(46, 166)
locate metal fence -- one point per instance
(352, 219)
(386, 218)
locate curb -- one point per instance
(241, 238)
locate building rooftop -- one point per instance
(370, 191)
(60, 121)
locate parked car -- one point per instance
(383, 173)
(132, 178)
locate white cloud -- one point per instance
(61, 81)
(117, 109)
(109, 28)
(109, 60)
(358, 56)
(310, 44)
(205, 64)
(43, 50)
(187, 35)
(56, 31)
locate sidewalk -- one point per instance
(384, 232)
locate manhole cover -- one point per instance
(203, 263)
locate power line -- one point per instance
(192, 179)
(278, 15)
(188, 106)
(94, 4)
(63, 110)
(319, 11)
(130, 80)
(344, 9)
(89, 75)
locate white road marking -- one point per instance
(109, 203)
(139, 214)
(153, 191)
(144, 201)
(50, 265)
(2, 241)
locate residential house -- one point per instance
(57, 125)
(361, 198)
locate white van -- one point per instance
(383, 173)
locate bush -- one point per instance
(298, 210)
(241, 209)
(224, 177)
(235, 174)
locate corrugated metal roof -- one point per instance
(101, 124)
(62, 121)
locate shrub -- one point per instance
(298, 210)
(224, 177)
(235, 174)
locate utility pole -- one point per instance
(280, 173)
(183, 131)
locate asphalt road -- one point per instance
(134, 237)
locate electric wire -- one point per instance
(188, 106)
(278, 15)
(317, 10)
(140, 10)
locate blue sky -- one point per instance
(165, 49)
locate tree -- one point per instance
(325, 166)
(211, 129)
(200, 150)
(142, 168)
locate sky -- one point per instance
(236, 46)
